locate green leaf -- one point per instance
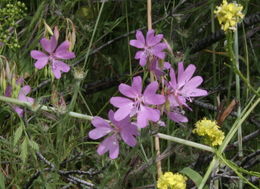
(18, 134)
(24, 150)
(193, 175)
(2, 181)
(34, 145)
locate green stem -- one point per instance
(239, 132)
(234, 64)
(211, 167)
(94, 32)
(186, 142)
(44, 108)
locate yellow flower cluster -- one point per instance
(171, 181)
(213, 135)
(229, 14)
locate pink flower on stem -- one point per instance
(123, 129)
(151, 46)
(54, 55)
(184, 87)
(138, 103)
(25, 90)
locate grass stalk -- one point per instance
(185, 142)
(94, 32)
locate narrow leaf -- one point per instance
(2, 181)
(24, 150)
(193, 175)
(18, 134)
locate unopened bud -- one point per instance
(79, 74)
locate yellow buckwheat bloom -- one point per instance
(210, 130)
(229, 14)
(171, 181)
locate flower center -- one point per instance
(139, 100)
(147, 51)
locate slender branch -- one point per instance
(73, 179)
(186, 142)
(42, 107)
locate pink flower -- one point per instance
(151, 46)
(123, 129)
(138, 102)
(184, 87)
(21, 96)
(54, 55)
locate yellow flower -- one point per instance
(229, 14)
(210, 130)
(171, 181)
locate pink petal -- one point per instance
(40, 63)
(177, 117)
(18, 110)
(140, 37)
(137, 84)
(128, 91)
(150, 96)
(99, 132)
(157, 50)
(155, 99)
(49, 45)
(186, 75)
(137, 44)
(23, 92)
(139, 54)
(151, 88)
(173, 79)
(123, 112)
(128, 134)
(193, 83)
(180, 70)
(197, 92)
(142, 56)
(99, 122)
(145, 114)
(58, 67)
(38, 55)
(143, 61)
(63, 52)
(120, 101)
(152, 40)
(109, 144)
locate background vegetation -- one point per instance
(104, 55)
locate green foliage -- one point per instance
(11, 15)
(63, 140)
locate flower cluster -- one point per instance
(171, 181)
(169, 93)
(13, 87)
(210, 130)
(229, 14)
